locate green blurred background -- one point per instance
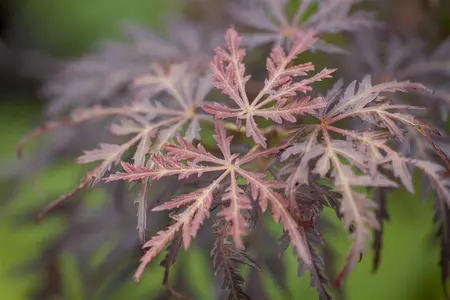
(409, 268)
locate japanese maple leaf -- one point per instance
(185, 160)
(277, 100)
(339, 159)
(388, 57)
(272, 22)
(105, 75)
(149, 123)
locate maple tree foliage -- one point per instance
(199, 202)
(288, 149)
(361, 150)
(150, 123)
(389, 56)
(272, 23)
(105, 74)
(279, 87)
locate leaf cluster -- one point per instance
(276, 145)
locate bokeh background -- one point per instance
(69, 28)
